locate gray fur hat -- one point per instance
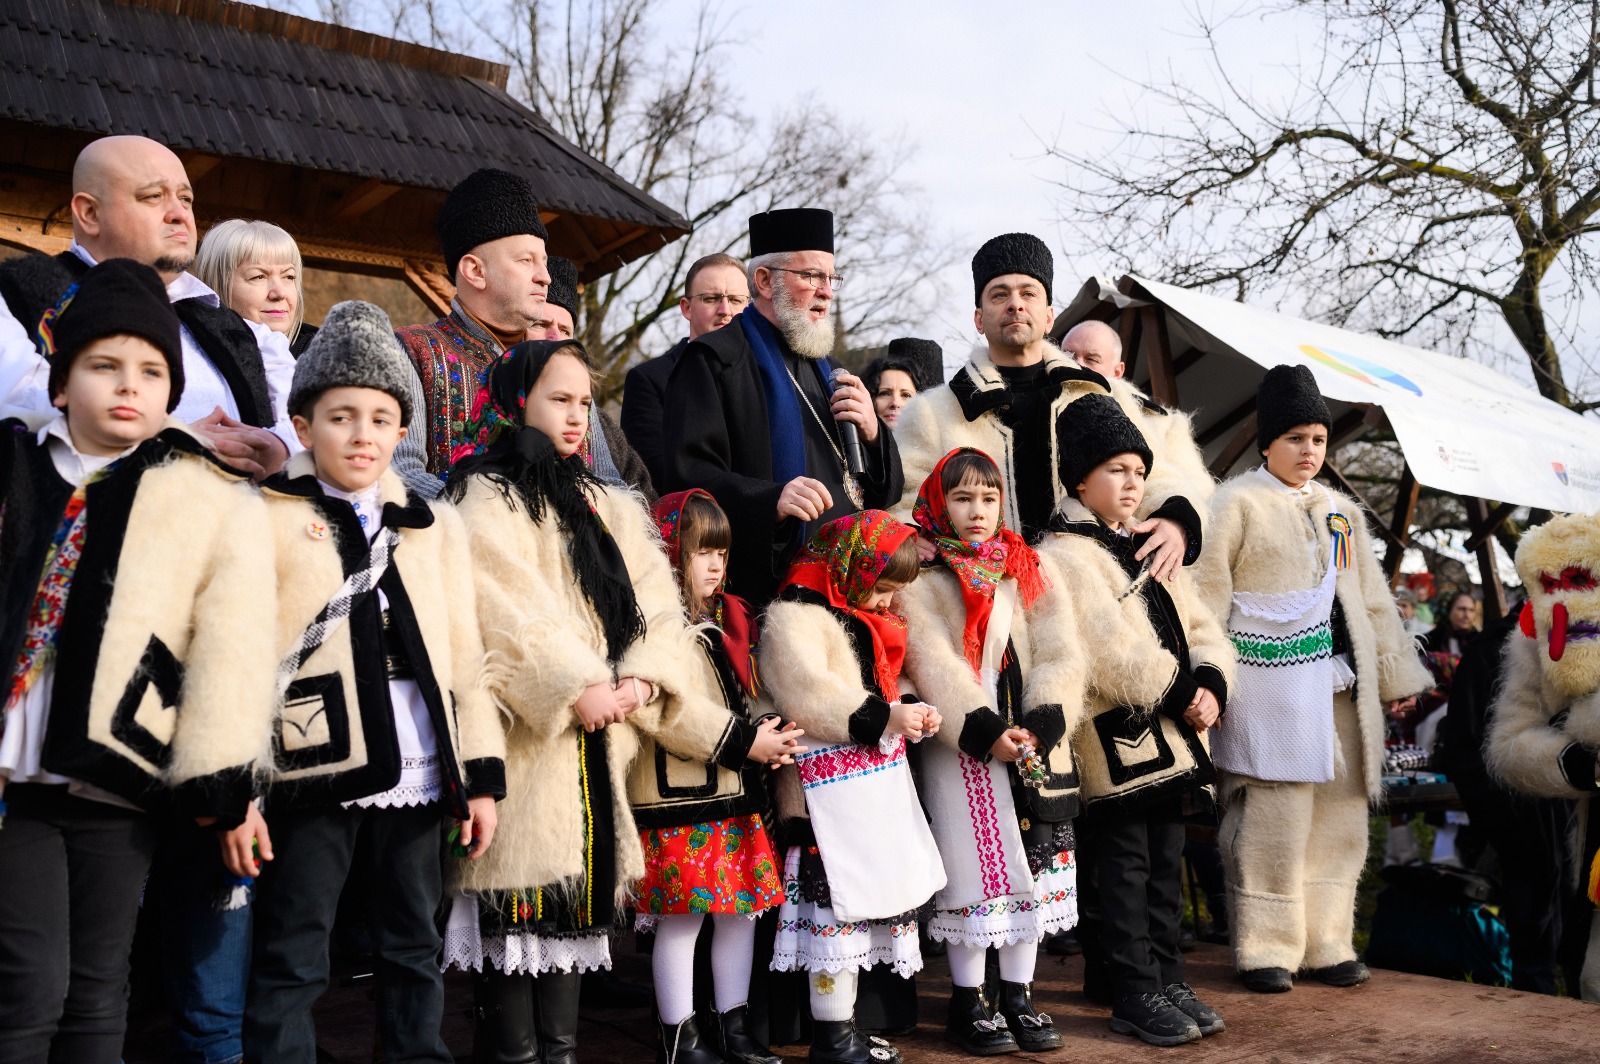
(354, 348)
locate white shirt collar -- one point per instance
(367, 504)
(185, 286)
(74, 466)
(1302, 490)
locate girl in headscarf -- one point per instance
(586, 642)
(704, 826)
(860, 858)
(1007, 846)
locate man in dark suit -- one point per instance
(713, 295)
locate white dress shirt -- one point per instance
(25, 375)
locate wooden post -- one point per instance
(1243, 439)
(1483, 525)
(1157, 347)
(1405, 508)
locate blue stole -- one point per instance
(786, 421)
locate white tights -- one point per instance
(833, 995)
(1016, 963)
(733, 940)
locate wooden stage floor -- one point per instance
(1395, 1019)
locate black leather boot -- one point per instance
(734, 1041)
(502, 1029)
(1034, 1031)
(975, 1027)
(838, 1042)
(555, 1002)
(681, 1044)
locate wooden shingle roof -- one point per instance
(230, 81)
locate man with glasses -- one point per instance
(757, 416)
(713, 295)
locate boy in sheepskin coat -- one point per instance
(1544, 731)
(860, 857)
(134, 572)
(384, 729)
(1157, 673)
(1288, 567)
(587, 642)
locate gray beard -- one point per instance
(807, 338)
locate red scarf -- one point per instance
(730, 613)
(978, 567)
(842, 563)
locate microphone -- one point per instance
(855, 462)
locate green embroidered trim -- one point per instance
(1310, 645)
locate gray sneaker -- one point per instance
(1183, 998)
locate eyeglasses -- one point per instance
(711, 299)
(814, 278)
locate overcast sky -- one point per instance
(980, 90)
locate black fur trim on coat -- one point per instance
(983, 728)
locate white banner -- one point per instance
(1465, 429)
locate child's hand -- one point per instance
(1009, 746)
(477, 831)
(597, 707)
(931, 720)
(237, 855)
(775, 747)
(632, 693)
(1203, 710)
(905, 718)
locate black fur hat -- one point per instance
(1021, 253)
(564, 286)
(1092, 430)
(1288, 396)
(488, 204)
(791, 229)
(117, 297)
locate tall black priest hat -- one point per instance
(791, 229)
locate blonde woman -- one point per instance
(255, 269)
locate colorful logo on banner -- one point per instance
(1359, 368)
(1561, 471)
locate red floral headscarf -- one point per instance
(978, 567)
(842, 563)
(730, 613)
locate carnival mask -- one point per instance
(1559, 563)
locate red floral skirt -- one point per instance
(723, 866)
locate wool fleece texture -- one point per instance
(937, 668)
(335, 736)
(1129, 745)
(1294, 851)
(1544, 730)
(162, 676)
(961, 414)
(545, 645)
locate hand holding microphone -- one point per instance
(852, 409)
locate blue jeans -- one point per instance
(205, 951)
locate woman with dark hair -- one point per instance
(894, 379)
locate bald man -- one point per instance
(131, 198)
(1179, 463)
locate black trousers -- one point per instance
(1130, 891)
(71, 871)
(296, 898)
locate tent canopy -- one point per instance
(1464, 428)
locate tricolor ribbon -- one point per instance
(1339, 527)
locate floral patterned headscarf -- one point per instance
(978, 567)
(730, 613)
(842, 563)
